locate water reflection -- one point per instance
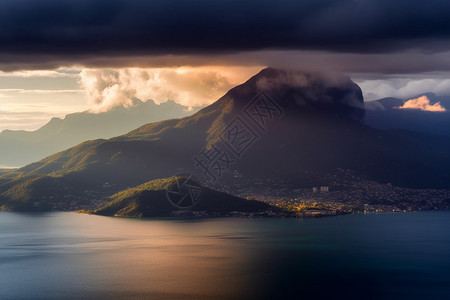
(66, 255)
(79, 255)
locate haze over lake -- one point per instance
(375, 256)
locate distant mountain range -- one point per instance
(19, 148)
(293, 126)
(385, 114)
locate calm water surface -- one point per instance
(67, 255)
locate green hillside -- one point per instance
(320, 132)
(149, 199)
(32, 193)
(4, 171)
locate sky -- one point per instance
(62, 56)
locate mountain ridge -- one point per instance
(384, 114)
(19, 148)
(318, 131)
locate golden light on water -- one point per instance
(160, 258)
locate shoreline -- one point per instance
(235, 214)
(260, 215)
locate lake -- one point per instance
(373, 256)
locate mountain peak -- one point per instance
(136, 101)
(302, 91)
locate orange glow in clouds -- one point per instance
(189, 86)
(422, 103)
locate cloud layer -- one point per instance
(30, 99)
(50, 33)
(405, 86)
(187, 86)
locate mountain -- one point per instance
(292, 126)
(18, 148)
(149, 199)
(384, 114)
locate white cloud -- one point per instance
(190, 86)
(39, 92)
(405, 86)
(40, 73)
(28, 99)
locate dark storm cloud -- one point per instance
(53, 32)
